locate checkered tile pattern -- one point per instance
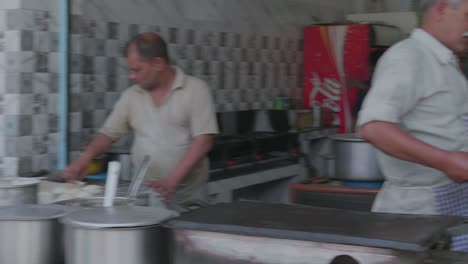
(28, 88)
(460, 243)
(245, 71)
(452, 199)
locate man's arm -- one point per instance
(402, 145)
(115, 126)
(78, 169)
(201, 145)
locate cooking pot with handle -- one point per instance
(354, 159)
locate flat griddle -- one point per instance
(325, 225)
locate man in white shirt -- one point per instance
(414, 115)
(172, 116)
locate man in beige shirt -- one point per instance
(172, 117)
(414, 115)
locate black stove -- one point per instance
(243, 154)
(241, 149)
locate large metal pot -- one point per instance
(30, 234)
(95, 202)
(15, 191)
(354, 159)
(116, 235)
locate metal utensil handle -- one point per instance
(136, 182)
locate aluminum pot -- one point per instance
(355, 159)
(95, 202)
(15, 191)
(116, 235)
(30, 234)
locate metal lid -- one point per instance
(122, 216)
(347, 137)
(17, 182)
(30, 212)
(94, 202)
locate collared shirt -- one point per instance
(165, 132)
(418, 85)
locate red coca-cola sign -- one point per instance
(331, 55)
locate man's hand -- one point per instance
(165, 186)
(456, 166)
(76, 171)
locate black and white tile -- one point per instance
(245, 61)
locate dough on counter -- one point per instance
(58, 190)
(93, 189)
(51, 192)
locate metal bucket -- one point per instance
(140, 245)
(355, 159)
(116, 235)
(16, 191)
(30, 234)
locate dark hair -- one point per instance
(149, 46)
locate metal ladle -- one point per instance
(136, 183)
(138, 179)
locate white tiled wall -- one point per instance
(28, 89)
(249, 51)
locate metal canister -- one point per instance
(15, 191)
(30, 234)
(355, 159)
(116, 235)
